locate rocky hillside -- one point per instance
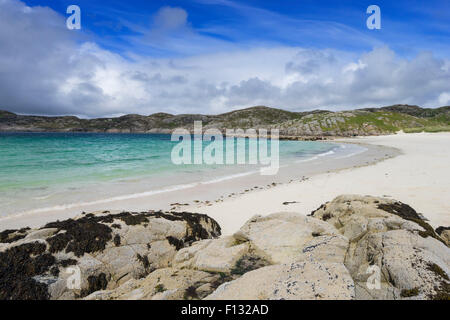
(354, 247)
(314, 123)
(368, 122)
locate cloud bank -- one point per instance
(47, 69)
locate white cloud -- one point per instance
(444, 98)
(46, 69)
(169, 18)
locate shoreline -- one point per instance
(205, 193)
(419, 177)
(390, 168)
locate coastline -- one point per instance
(419, 175)
(390, 167)
(215, 190)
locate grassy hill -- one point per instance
(371, 121)
(367, 122)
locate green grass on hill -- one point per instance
(428, 129)
(368, 122)
(371, 121)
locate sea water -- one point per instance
(56, 170)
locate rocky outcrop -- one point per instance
(301, 280)
(162, 284)
(311, 125)
(218, 255)
(354, 247)
(413, 261)
(285, 237)
(306, 256)
(73, 258)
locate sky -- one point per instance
(214, 56)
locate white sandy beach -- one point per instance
(420, 177)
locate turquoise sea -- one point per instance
(42, 170)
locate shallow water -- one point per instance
(61, 170)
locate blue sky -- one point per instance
(212, 56)
(407, 26)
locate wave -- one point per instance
(333, 152)
(353, 154)
(328, 153)
(101, 201)
(123, 197)
(315, 157)
(230, 177)
(307, 159)
(43, 197)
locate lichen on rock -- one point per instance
(107, 249)
(330, 254)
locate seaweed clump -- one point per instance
(223, 277)
(190, 293)
(132, 219)
(18, 266)
(441, 229)
(322, 206)
(407, 293)
(9, 236)
(116, 240)
(442, 292)
(146, 264)
(437, 270)
(406, 212)
(91, 234)
(54, 271)
(248, 263)
(96, 283)
(177, 243)
(81, 236)
(400, 209)
(195, 231)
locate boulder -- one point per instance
(162, 284)
(354, 247)
(305, 280)
(280, 237)
(217, 255)
(413, 261)
(75, 257)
